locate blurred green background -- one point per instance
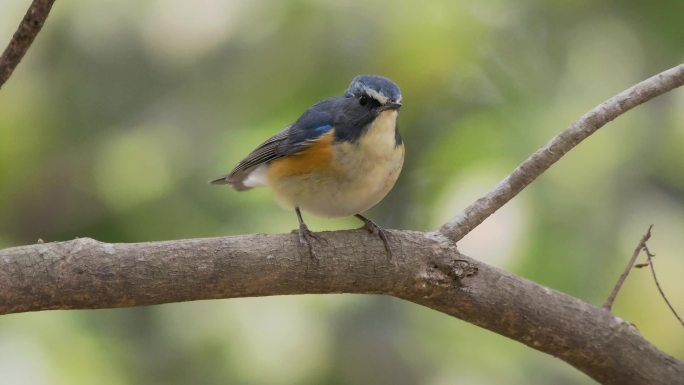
(123, 109)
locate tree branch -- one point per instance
(426, 269)
(640, 246)
(21, 41)
(552, 151)
(649, 263)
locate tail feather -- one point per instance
(221, 180)
(234, 180)
(242, 180)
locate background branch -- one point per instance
(552, 151)
(21, 40)
(640, 246)
(426, 269)
(649, 263)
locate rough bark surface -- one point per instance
(427, 269)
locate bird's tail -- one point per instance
(221, 180)
(231, 180)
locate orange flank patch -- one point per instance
(318, 155)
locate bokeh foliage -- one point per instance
(122, 111)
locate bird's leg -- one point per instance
(306, 235)
(373, 228)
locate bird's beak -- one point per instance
(390, 106)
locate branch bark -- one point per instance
(21, 41)
(427, 269)
(558, 146)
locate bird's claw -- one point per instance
(305, 238)
(374, 229)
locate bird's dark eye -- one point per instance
(363, 100)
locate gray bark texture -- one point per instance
(426, 269)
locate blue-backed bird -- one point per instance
(340, 158)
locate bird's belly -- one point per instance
(356, 178)
(338, 194)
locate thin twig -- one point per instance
(640, 246)
(649, 262)
(21, 41)
(551, 152)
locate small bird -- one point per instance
(340, 158)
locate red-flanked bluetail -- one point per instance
(340, 158)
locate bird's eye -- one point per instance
(363, 100)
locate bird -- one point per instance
(341, 157)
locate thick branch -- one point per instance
(552, 151)
(21, 41)
(426, 269)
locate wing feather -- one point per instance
(269, 150)
(316, 121)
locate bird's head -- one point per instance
(375, 92)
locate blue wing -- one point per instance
(315, 122)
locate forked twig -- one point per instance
(640, 246)
(649, 262)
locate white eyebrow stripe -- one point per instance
(375, 95)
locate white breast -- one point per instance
(364, 172)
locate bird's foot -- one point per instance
(306, 236)
(373, 228)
